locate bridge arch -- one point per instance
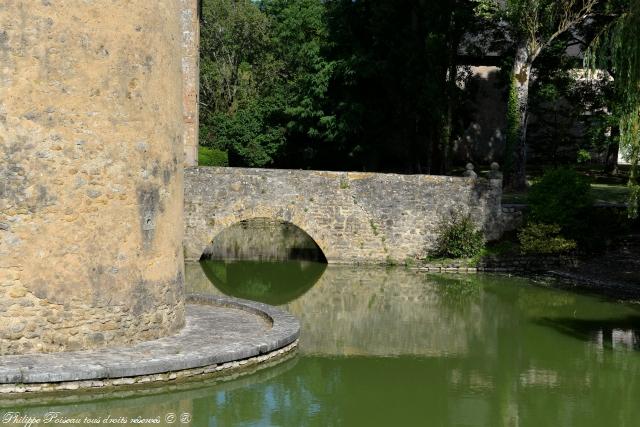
(217, 223)
(355, 218)
(263, 238)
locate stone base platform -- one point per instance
(221, 334)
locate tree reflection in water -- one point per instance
(471, 350)
(268, 282)
(383, 347)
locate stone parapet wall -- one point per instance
(91, 153)
(512, 216)
(353, 217)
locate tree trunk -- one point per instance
(517, 148)
(611, 166)
(445, 139)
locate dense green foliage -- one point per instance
(378, 86)
(390, 93)
(537, 238)
(332, 84)
(561, 197)
(240, 81)
(573, 121)
(617, 50)
(459, 237)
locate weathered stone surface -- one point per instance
(36, 399)
(91, 128)
(353, 217)
(220, 333)
(512, 216)
(191, 78)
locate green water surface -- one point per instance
(392, 347)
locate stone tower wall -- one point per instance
(191, 78)
(91, 182)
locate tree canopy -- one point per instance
(380, 86)
(335, 84)
(617, 49)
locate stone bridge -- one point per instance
(368, 218)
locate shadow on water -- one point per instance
(613, 333)
(268, 282)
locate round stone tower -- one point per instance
(91, 182)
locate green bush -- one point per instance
(248, 134)
(208, 156)
(459, 238)
(561, 197)
(538, 238)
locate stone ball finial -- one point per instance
(469, 172)
(495, 171)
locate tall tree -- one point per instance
(532, 26)
(239, 81)
(235, 43)
(395, 74)
(333, 84)
(617, 48)
(264, 80)
(461, 23)
(300, 37)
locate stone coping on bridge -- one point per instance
(221, 334)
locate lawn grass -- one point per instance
(605, 188)
(602, 193)
(610, 193)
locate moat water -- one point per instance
(393, 347)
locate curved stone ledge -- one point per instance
(148, 393)
(233, 334)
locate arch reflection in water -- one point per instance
(274, 283)
(264, 260)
